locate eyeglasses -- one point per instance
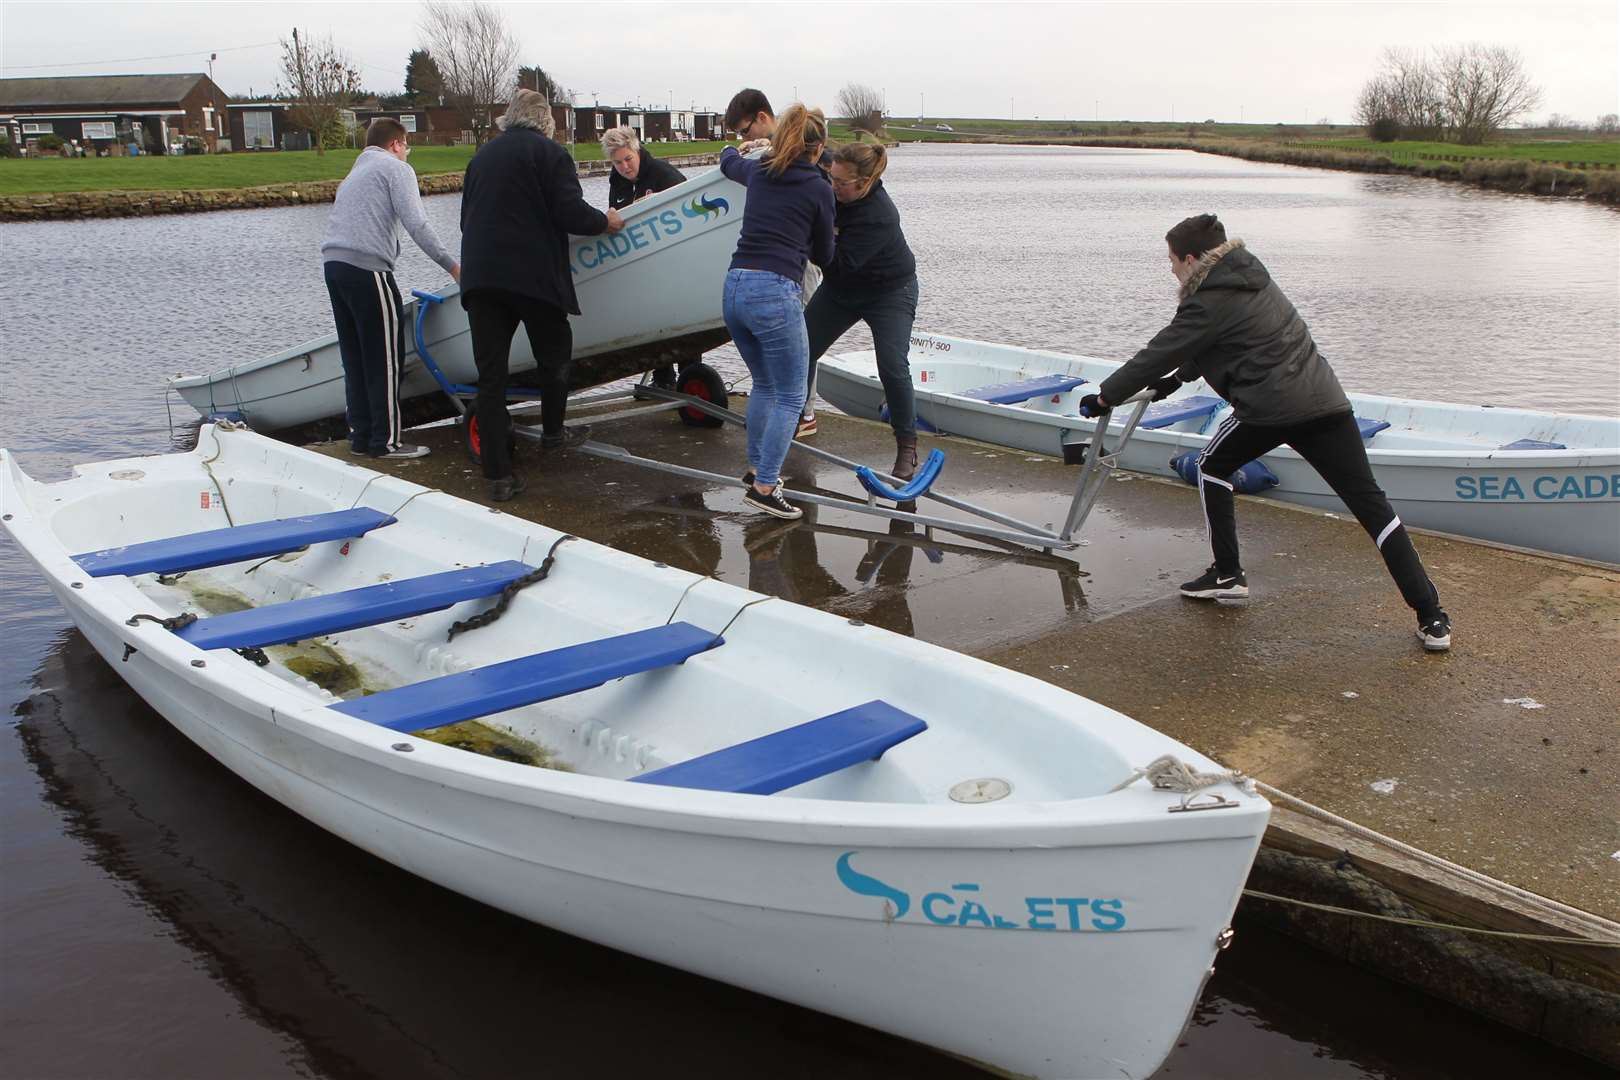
(846, 183)
(744, 129)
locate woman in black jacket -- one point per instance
(520, 201)
(636, 173)
(873, 279)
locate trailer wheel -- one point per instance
(702, 381)
(475, 443)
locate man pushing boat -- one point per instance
(1236, 329)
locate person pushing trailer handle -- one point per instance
(1234, 327)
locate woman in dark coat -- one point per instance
(636, 173)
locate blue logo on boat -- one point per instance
(857, 882)
(702, 206)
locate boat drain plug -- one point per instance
(986, 789)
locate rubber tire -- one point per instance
(702, 381)
(469, 431)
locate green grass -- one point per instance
(1582, 153)
(190, 173)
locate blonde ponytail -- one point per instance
(799, 132)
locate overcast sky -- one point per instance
(1291, 62)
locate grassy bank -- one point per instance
(27, 176)
(1550, 150)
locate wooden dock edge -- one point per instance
(1567, 994)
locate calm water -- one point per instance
(160, 918)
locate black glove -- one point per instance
(1091, 405)
(1163, 388)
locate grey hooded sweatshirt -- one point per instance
(378, 196)
(1235, 328)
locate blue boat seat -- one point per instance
(1161, 414)
(1010, 393)
(1369, 428)
(277, 624)
(1532, 444)
(796, 755)
(216, 547)
(511, 684)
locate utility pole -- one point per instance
(211, 58)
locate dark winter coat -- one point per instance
(655, 174)
(789, 219)
(519, 203)
(1236, 329)
(871, 250)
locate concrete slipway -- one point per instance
(1501, 755)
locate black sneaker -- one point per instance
(1214, 585)
(772, 504)
(504, 489)
(1436, 633)
(748, 477)
(569, 438)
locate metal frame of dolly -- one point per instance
(1095, 472)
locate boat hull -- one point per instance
(1065, 938)
(649, 296)
(1565, 502)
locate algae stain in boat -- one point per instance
(481, 738)
(324, 666)
(214, 600)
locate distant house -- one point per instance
(156, 113)
(264, 125)
(415, 122)
(565, 120)
(671, 125)
(708, 125)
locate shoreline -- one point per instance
(78, 205)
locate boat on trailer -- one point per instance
(1542, 480)
(649, 295)
(762, 793)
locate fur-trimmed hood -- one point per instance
(1246, 271)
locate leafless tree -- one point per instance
(1416, 95)
(862, 106)
(319, 80)
(477, 55)
(1608, 123)
(1486, 87)
(1376, 103)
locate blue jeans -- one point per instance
(765, 315)
(889, 313)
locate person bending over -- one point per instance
(873, 279)
(519, 203)
(359, 250)
(1236, 329)
(637, 174)
(789, 222)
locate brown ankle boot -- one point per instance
(905, 457)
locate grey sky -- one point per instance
(1289, 62)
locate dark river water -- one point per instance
(160, 918)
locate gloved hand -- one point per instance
(1091, 405)
(1163, 388)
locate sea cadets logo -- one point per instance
(702, 206)
(648, 232)
(960, 905)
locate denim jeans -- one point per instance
(765, 315)
(890, 314)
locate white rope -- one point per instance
(1515, 934)
(1170, 773)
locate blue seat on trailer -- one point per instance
(277, 624)
(1010, 393)
(1161, 414)
(1532, 444)
(216, 547)
(1369, 428)
(796, 755)
(511, 684)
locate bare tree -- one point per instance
(862, 106)
(1486, 87)
(1416, 95)
(477, 56)
(319, 80)
(1375, 105)
(1608, 123)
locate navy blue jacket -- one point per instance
(872, 251)
(789, 219)
(520, 200)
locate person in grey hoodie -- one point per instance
(1236, 329)
(359, 250)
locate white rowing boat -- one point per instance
(648, 295)
(1542, 480)
(765, 794)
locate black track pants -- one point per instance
(371, 340)
(493, 317)
(1334, 448)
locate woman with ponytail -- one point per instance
(873, 279)
(789, 222)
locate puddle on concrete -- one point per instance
(480, 738)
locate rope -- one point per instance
(532, 577)
(1517, 935)
(1170, 773)
(174, 623)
